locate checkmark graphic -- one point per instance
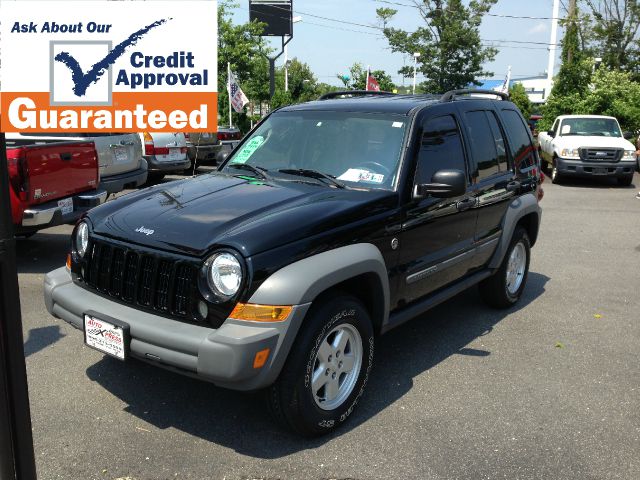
(82, 81)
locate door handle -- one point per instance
(513, 186)
(466, 204)
(125, 142)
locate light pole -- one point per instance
(415, 70)
(286, 58)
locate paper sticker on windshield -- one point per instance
(566, 129)
(248, 149)
(358, 175)
(397, 124)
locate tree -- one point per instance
(615, 33)
(358, 78)
(303, 85)
(521, 99)
(246, 50)
(451, 51)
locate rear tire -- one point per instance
(504, 288)
(153, 178)
(327, 369)
(625, 181)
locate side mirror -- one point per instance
(221, 156)
(444, 184)
(551, 133)
(628, 135)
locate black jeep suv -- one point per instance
(331, 223)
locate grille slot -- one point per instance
(138, 278)
(601, 154)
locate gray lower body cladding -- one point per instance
(223, 356)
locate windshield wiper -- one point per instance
(260, 171)
(305, 172)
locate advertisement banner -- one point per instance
(91, 66)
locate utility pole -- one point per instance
(552, 45)
(16, 442)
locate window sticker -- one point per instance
(319, 124)
(358, 175)
(248, 149)
(397, 124)
(566, 129)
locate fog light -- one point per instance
(203, 309)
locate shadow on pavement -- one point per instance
(43, 252)
(40, 338)
(240, 421)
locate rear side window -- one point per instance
(523, 153)
(487, 143)
(440, 148)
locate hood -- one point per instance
(579, 141)
(197, 215)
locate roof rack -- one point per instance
(352, 93)
(452, 94)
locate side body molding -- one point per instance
(519, 208)
(302, 281)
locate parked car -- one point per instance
(205, 147)
(119, 156)
(165, 153)
(587, 146)
(279, 270)
(51, 184)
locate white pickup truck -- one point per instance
(588, 145)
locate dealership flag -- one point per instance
(507, 81)
(372, 83)
(237, 96)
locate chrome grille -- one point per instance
(601, 154)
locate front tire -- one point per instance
(556, 176)
(504, 288)
(625, 181)
(327, 369)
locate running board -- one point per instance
(417, 308)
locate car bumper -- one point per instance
(579, 168)
(156, 165)
(223, 356)
(50, 214)
(204, 154)
(123, 181)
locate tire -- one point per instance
(25, 236)
(625, 181)
(504, 288)
(556, 177)
(307, 407)
(153, 178)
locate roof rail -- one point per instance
(352, 93)
(452, 94)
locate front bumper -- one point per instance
(580, 168)
(223, 356)
(156, 165)
(50, 214)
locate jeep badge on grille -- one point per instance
(146, 231)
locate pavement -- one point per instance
(549, 389)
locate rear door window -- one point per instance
(522, 151)
(487, 143)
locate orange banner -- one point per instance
(129, 112)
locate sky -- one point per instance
(330, 47)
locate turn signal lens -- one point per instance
(260, 313)
(68, 261)
(261, 358)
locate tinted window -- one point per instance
(521, 149)
(441, 148)
(498, 138)
(483, 144)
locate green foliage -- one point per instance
(358, 78)
(303, 85)
(521, 99)
(451, 52)
(280, 99)
(613, 26)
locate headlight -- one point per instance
(224, 274)
(570, 153)
(82, 239)
(629, 155)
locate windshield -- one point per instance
(602, 127)
(358, 150)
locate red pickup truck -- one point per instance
(52, 183)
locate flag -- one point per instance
(507, 81)
(372, 84)
(236, 95)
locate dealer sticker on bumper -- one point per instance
(105, 336)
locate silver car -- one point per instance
(121, 163)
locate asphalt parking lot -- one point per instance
(547, 390)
